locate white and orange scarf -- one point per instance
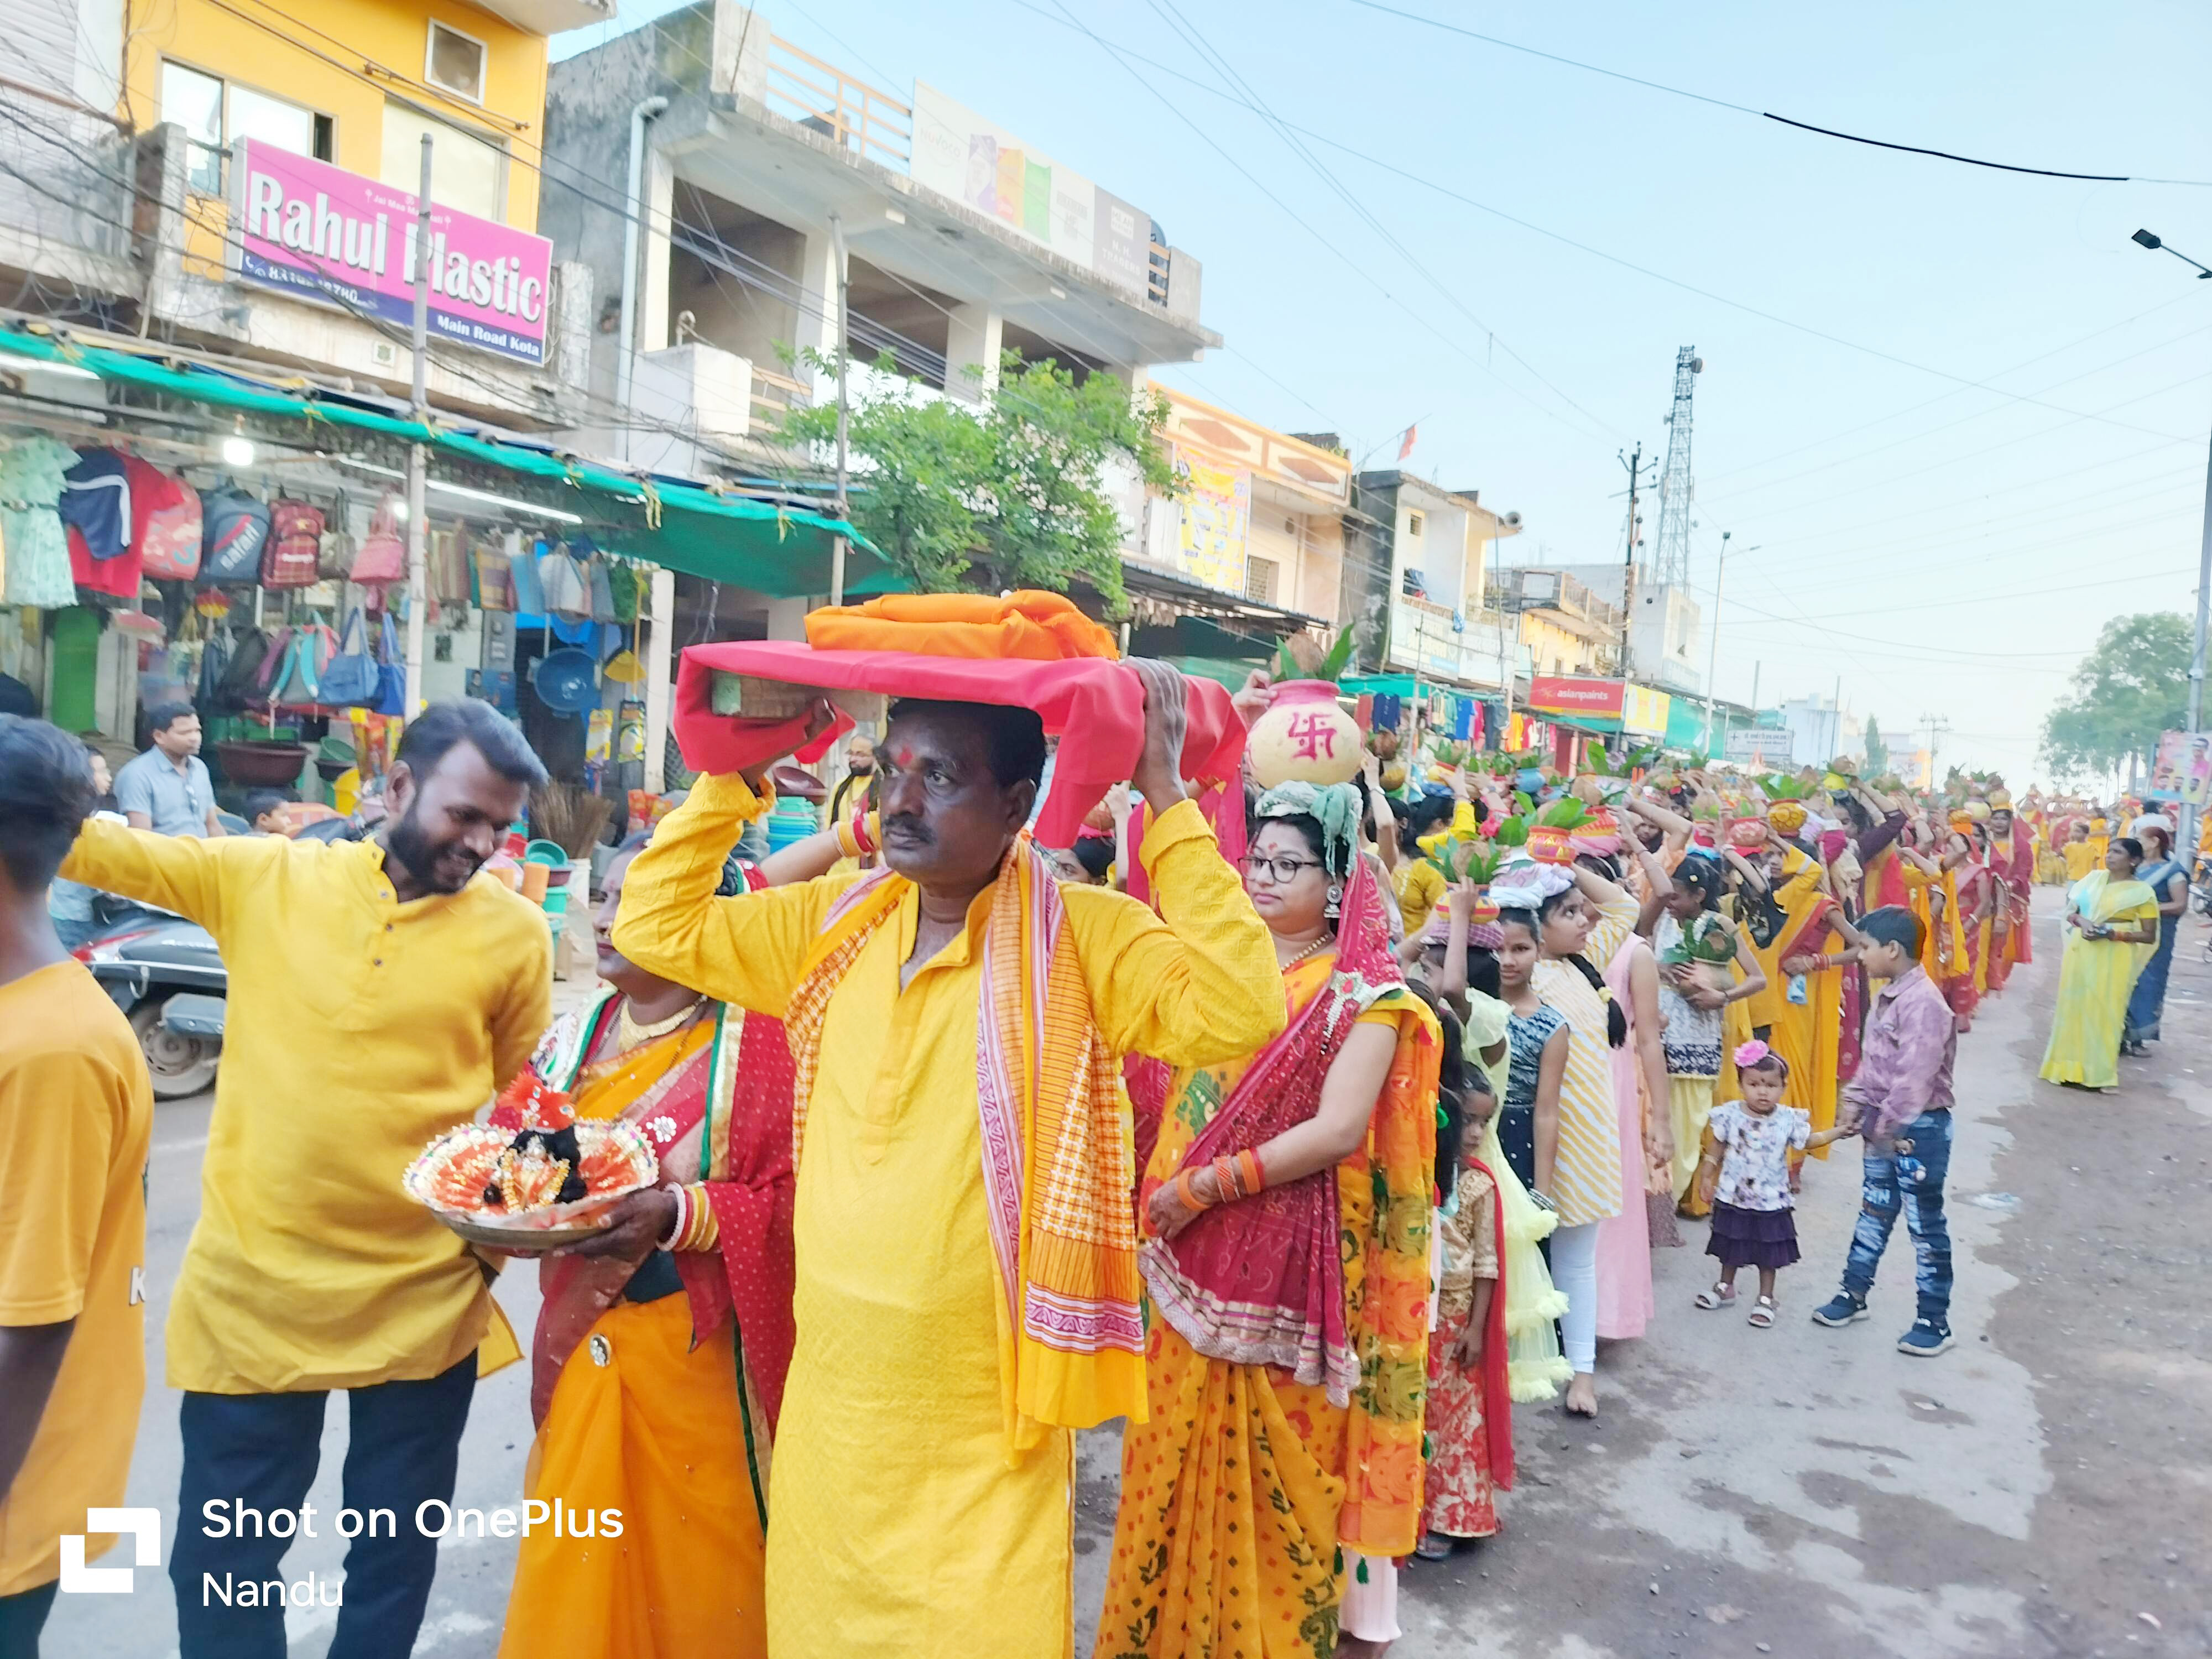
(1058, 1160)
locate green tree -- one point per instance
(2132, 687)
(1018, 484)
(1877, 751)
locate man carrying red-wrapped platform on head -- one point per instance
(965, 1255)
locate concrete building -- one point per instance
(127, 199)
(1255, 539)
(962, 241)
(1819, 730)
(1666, 627)
(1416, 581)
(1565, 627)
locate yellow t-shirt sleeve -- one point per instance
(58, 1129)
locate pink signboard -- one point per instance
(318, 232)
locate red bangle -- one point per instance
(863, 834)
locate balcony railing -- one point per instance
(775, 395)
(863, 119)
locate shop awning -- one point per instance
(782, 551)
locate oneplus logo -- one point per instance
(144, 1527)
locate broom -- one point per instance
(571, 817)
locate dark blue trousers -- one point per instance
(261, 1450)
(22, 1616)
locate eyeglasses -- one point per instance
(1281, 872)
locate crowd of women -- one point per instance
(1516, 1059)
(1621, 1019)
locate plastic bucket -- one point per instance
(534, 875)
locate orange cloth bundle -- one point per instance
(1026, 625)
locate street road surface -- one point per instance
(2043, 1490)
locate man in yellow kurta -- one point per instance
(380, 993)
(920, 1501)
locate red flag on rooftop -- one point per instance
(1405, 444)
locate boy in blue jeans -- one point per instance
(1900, 1102)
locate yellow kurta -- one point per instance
(896, 1524)
(359, 1029)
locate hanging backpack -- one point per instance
(349, 681)
(299, 684)
(238, 680)
(233, 528)
(296, 538)
(170, 542)
(383, 557)
(334, 551)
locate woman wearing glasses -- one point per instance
(1285, 1208)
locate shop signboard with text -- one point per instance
(1578, 699)
(317, 232)
(1768, 745)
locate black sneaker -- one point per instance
(1926, 1340)
(1838, 1310)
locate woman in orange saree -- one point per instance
(659, 1362)
(1286, 1200)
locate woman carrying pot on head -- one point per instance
(1284, 1204)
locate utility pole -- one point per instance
(844, 351)
(1713, 641)
(2186, 848)
(1937, 727)
(1635, 465)
(1836, 720)
(418, 457)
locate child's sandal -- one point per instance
(1763, 1316)
(1720, 1295)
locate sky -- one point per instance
(1952, 419)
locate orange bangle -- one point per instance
(1186, 1190)
(1255, 1181)
(1225, 1179)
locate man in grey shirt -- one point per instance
(167, 789)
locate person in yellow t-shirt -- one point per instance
(380, 992)
(76, 1110)
(2081, 854)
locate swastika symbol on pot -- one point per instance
(1316, 737)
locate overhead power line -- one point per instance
(1768, 114)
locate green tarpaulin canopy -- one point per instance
(780, 551)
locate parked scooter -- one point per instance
(167, 975)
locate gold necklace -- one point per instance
(1314, 949)
(630, 1034)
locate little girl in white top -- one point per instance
(1745, 1176)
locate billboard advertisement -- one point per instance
(1217, 520)
(956, 153)
(316, 232)
(2182, 770)
(1644, 711)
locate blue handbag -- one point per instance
(350, 680)
(391, 675)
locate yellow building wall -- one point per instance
(342, 58)
(1556, 650)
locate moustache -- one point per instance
(908, 828)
